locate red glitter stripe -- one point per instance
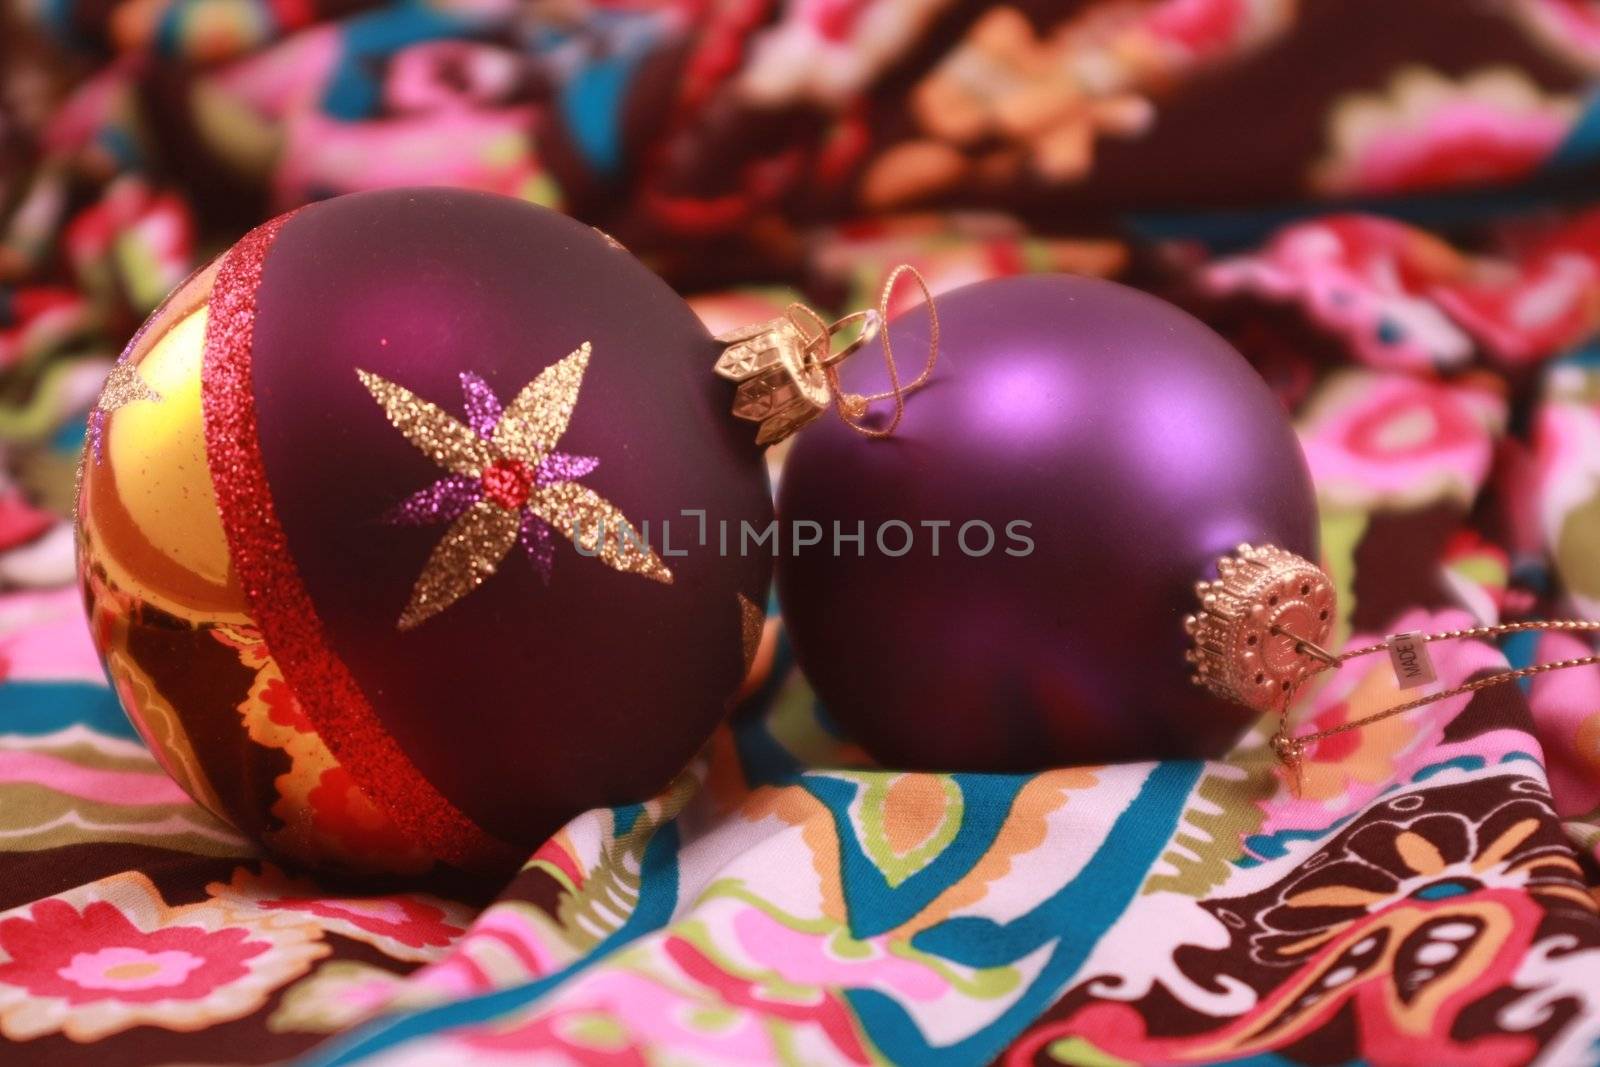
(279, 601)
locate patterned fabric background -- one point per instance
(1381, 202)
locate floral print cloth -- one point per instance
(1381, 204)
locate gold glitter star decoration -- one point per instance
(505, 483)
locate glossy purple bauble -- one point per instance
(1115, 447)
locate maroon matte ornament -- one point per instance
(434, 612)
(1034, 531)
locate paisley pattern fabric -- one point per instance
(1428, 314)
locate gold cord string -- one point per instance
(852, 407)
(1290, 748)
(785, 369)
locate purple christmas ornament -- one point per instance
(1033, 531)
(397, 586)
(529, 677)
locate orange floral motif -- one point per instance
(1046, 98)
(1403, 924)
(406, 926)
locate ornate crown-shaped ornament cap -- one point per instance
(1261, 626)
(781, 383)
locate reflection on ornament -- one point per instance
(122, 387)
(752, 620)
(174, 629)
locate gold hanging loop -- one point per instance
(871, 322)
(853, 406)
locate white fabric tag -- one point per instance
(1408, 655)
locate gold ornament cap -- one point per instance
(785, 368)
(1261, 626)
(782, 384)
